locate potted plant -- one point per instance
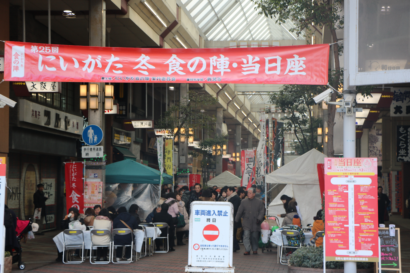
(8, 262)
(310, 259)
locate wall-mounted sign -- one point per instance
(92, 151)
(163, 132)
(2, 64)
(403, 143)
(141, 124)
(113, 111)
(400, 106)
(92, 135)
(45, 87)
(50, 118)
(121, 138)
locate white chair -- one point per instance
(283, 247)
(75, 244)
(121, 232)
(100, 232)
(162, 225)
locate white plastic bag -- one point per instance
(77, 225)
(265, 236)
(30, 235)
(37, 213)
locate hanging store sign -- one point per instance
(92, 151)
(248, 166)
(400, 105)
(142, 124)
(163, 132)
(1, 64)
(121, 138)
(403, 143)
(74, 185)
(351, 210)
(43, 87)
(50, 118)
(307, 64)
(113, 111)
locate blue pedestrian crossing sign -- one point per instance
(92, 135)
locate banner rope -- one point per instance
(2, 81)
(336, 42)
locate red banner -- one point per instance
(74, 186)
(306, 64)
(194, 179)
(351, 210)
(321, 176)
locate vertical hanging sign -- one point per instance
(168, 157)
(248, 163)
(74, 185)
(160, 152)
(351, 210)
(260, 155)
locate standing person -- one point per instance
(39, 200)
(241, 193)
(223, 195)
(259, 191)
(185, 196)
(172, 206)
(195, 194)
(386, 201)
(252, 211)
(182, 211)
(206, 196)
(382, 208)
(214, 194)
(236, 202)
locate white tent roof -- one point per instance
(302, 181)
(301, 171)
(225, 179)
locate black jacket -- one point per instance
(11, 239)
(39, 201)
(164, 217)
(236, 202)
(130, 221)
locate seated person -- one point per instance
(318, 225)
(73, 215)
(89, 217)
(97, 209)
(133, 210)
(102, 221)
(124, 220)
(163, 216)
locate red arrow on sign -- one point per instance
(210, 232)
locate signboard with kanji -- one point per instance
(351, 209)
(74, 185)
(210, 236)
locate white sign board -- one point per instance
(92, 151)
(139, 124)
(1, 64)
(48, 117)
(400, 105)
(210, 237)
(45, 87)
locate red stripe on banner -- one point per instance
(304, 64)
(3, 169)
(74, 186)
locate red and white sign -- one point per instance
(210, 232)
(248, 166)
(92, 194)
(351, 209)
(305, 64)
(196, 246)
(74, 186)
(194, 179)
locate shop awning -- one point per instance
(129, 171)
(126, 153)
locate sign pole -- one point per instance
(3, 185)
(324, 254)
(349, 119)
(380, 256)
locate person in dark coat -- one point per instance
(385, 199)
(39, 200)
(124, 220)
(164, 217)
(233, 198)
(10, 224)
(113, 212)
(73, 215)
(382, 208)
(133, 210)
(195, 194)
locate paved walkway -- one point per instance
(39, 256)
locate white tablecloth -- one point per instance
(139, 236)
(72, 239)
(152, 232)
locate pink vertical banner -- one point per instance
(74, 186)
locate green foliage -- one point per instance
(312, 257)
(188, 115)
(7, 254)
(296, 102)
(306, 15)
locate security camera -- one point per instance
(6, 101)
(324, 96)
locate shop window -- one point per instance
(49, 99)
(63, 98)
(57, 100)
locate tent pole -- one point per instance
(266, 196)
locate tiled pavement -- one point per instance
(39, 256)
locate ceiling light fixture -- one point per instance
(179, 41)
(171, 88)
(153, 12)
(236, 105)
(243, 113)
(228, 96)
(220, 87)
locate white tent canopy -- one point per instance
(300, 176)
(225, 179)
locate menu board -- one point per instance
(351, 209)
(390, 249)
(92, 193)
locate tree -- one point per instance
(185, 116)
(296, 101)
(308, 16)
